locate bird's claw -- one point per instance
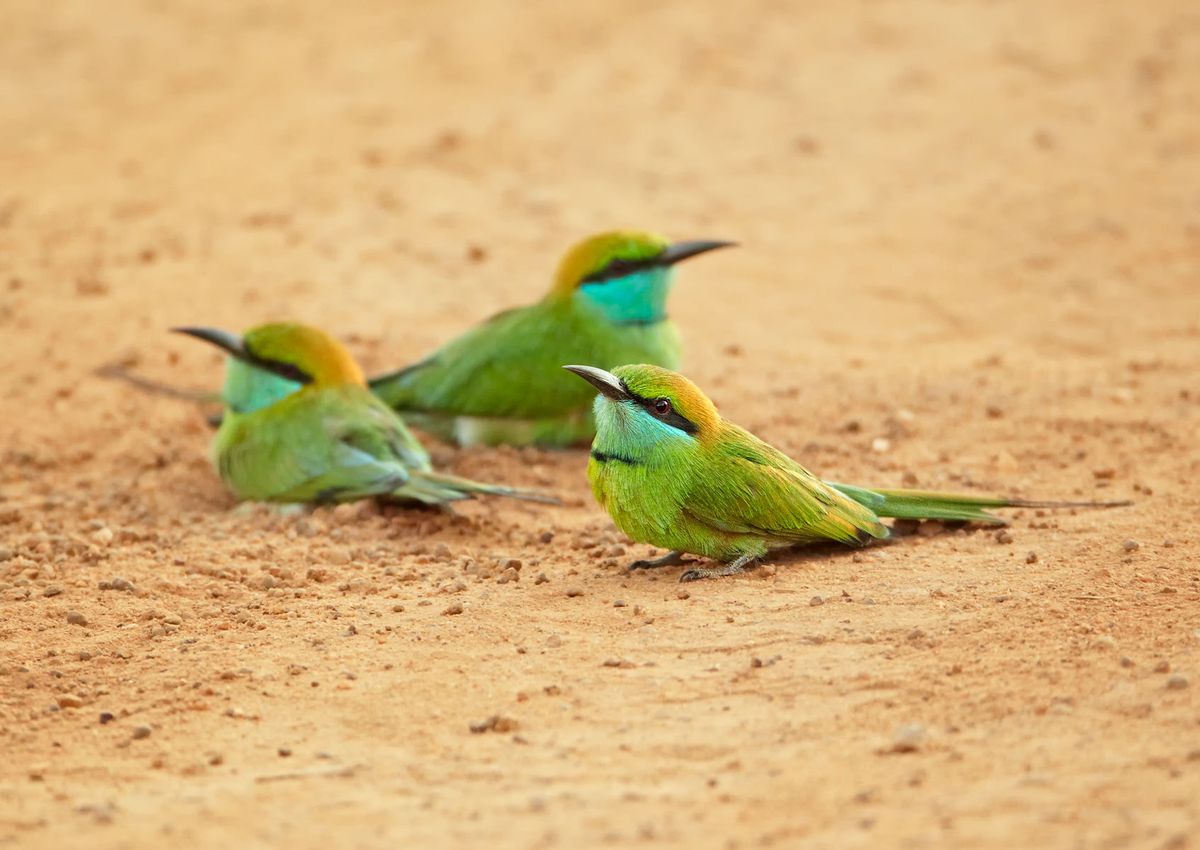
(732, 569)
(668, 560)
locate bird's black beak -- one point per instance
(606, 383)
(231, 343)
(235, 346)
(681, 251)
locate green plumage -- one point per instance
(328, 441)
(500, 382)
(673, 473)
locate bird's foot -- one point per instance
(730, 569)
(671, 559)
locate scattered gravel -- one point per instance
(140, 732)
(454, 608)
(574, 591)
(76, 619)
(1177, 682)
(1131, 545)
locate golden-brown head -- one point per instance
(300, 353)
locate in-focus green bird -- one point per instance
(673, 473)
(300, 425)
(500, 381)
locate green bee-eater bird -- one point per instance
(500, 381)
(300, 425)
(673, 473)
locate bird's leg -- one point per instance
(671, 559)
(730, 569)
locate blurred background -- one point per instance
(899, 173)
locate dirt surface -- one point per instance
(971, 260)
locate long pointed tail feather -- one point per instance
(927, 504)
(435, 487)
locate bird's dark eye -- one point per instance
(662, 407)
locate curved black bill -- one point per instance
(221, 339)
(236, 347)
(681, 251)
(606, 383)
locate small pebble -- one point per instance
(1177, 682)
(495, 723)
(1131, 545)
(909, 738)
(541, 579)
(454, 608)
(52, 590)
(1003, 536)
(1126, 661)
(682, 594)
(103, 536)
(1162, 667)
(70, 701)
(574, 591)
(1031, 558)
(140, 732)
(284, 752)
(619, 603)
(816, 600)
(76, 619)
(106, 717)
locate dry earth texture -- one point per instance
(971, 260)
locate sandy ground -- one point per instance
(971, 258)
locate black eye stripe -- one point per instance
(672, 418)
(278, 367)
(618, 268)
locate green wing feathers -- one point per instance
(510, 366)
(335, 444)
(754, 488)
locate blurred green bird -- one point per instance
(300, 425)
(500, 381)
(673, 473)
